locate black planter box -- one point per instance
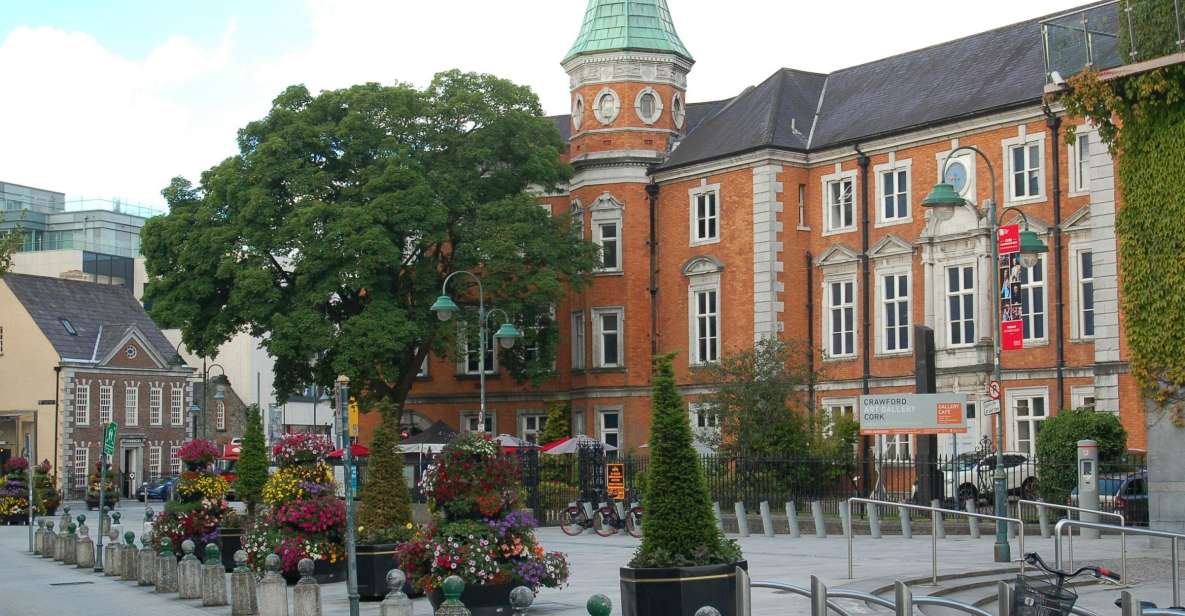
(324, 571)
(679, 591)
(373, 563)
(230, 541)
(480, 600)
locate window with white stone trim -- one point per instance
(609, 426)
(177, 405)
(578, 340)
(220, 415)
(175, 460)
(893, 192)
(1080, 163)
(154, 461)
(960, 305)
(1085, 313)
(131, 405)
(531, 425)
(82, 459)
(1032, 301)
(1024, 161)
(839, 202)
(106, 404)
(895, 317)
(1028, 408)
(82, 403)
(705, 214)
(706, 325)
(607, 337)
(840, 317)
(469, 421)
(156, 405)
(606, 106)
(606, 215)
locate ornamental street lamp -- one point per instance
(943, 201)
(507, 334)
(221, 381)
(343, 407)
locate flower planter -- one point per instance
(679, 591)
(324, 571)
(230, 541)
(480, 600)
(373, 563)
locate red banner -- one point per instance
(1012, 336)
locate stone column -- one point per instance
(166, 567)
(396, 603)
(213, 582)
(147, 561)
(111, 553)
(49, 541)
(85, 557)
(70, 547)
(273, 591)
(129, 558)
(242, 588)
(189, 573)
(39, 536)
(306, 597)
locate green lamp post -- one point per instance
(507, 335)
(943, 201)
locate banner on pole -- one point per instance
(353, 427)
(109, 439)
(1012, 335)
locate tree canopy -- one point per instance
(330, 232)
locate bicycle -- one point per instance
(1037, 597)
(574, 519)
(607, 521)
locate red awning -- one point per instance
(358, 451)
(231, 452)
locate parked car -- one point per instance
(158, 489)
(970, 477)
(1132, 500)
(1108, 489)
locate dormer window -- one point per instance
(69, 328)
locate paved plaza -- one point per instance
(36, 587)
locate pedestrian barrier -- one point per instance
(1123, 532)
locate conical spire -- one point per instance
(642, 25)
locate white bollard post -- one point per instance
(767, 519)
(939, 525)
(845, 520)
(874, 521)
(906, 525)
(972, 523)
(742, 519)
(792, 519)
(719, 516)
(820, 524)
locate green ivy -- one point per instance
(1141, 119)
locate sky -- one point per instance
(112, 98)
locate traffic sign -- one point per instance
(109, 439)
(993, 390)
(991, 407)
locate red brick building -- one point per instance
(793, 210)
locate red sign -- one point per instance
(1008, 239)
(950, 413)
(1012, 336)
(993, 390)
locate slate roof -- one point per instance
(101, 315)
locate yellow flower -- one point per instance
(409, 525)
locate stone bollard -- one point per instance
(59, 543)
(146, 561)
(820, 524)
(166, 567)
(972, 523)
(65, 519)
(792, 519)
(521, 599)
(111, 553)
(599, 605)
(104, 520)
(396, 603)
(49, 541)
(242, 588)
(70, 548)
(767, 519)
(845, 519)
(273, 590)
(115, 515)
(906, 525)
(189, 573)
(742, 519)
(129, 559)
(874, 521)
(214, 579)
(453, 587)
(85, 558)
(39, 536)
(148, 513)
(937, 523)
(306, 596)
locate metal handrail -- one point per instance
(1041, 505)
(869, 598)
(805, 592)
(956, 605)
(934, 512)
(1123, 531)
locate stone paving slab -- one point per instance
(25, 582)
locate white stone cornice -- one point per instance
(634, 66)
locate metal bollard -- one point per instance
(820, 525)
(213, 579)
(242, 588)
(937, 523)
(792, 519)
(521, 599)
(397, 604)
(166, 568)
(273, 591)
(716, 512)
(742, 519)
(598, 605)
(906, 525)
(874, 521)
(453, 587)
(306, 596)
(767, 519)
(845, 520)
(189, 573)
(818, 597)
(1043, 520)
(903, 599)
(85, 557)
(972, 523)
(111, 553)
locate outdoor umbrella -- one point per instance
(510, 441)
(431, 440)
(573, 444)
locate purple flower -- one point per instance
(515, 520)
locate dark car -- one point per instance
(1132, 500)
(158, 489)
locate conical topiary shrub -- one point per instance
(384, 515)
(680, 529)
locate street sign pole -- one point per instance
(30, 458)
(108, 449)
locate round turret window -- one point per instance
(607, 106)
(677, 112)
(577, 113)
(648, 105)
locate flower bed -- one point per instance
(201, 504)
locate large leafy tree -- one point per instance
(330, 232)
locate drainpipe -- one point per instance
(57, 413)
(1054, 123)
(652, 195)
(810, 333)
(865, 306)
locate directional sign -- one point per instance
(888, 414)
(109, 439)
(991, 407)
(993, 390)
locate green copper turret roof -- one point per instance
(642, 25)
